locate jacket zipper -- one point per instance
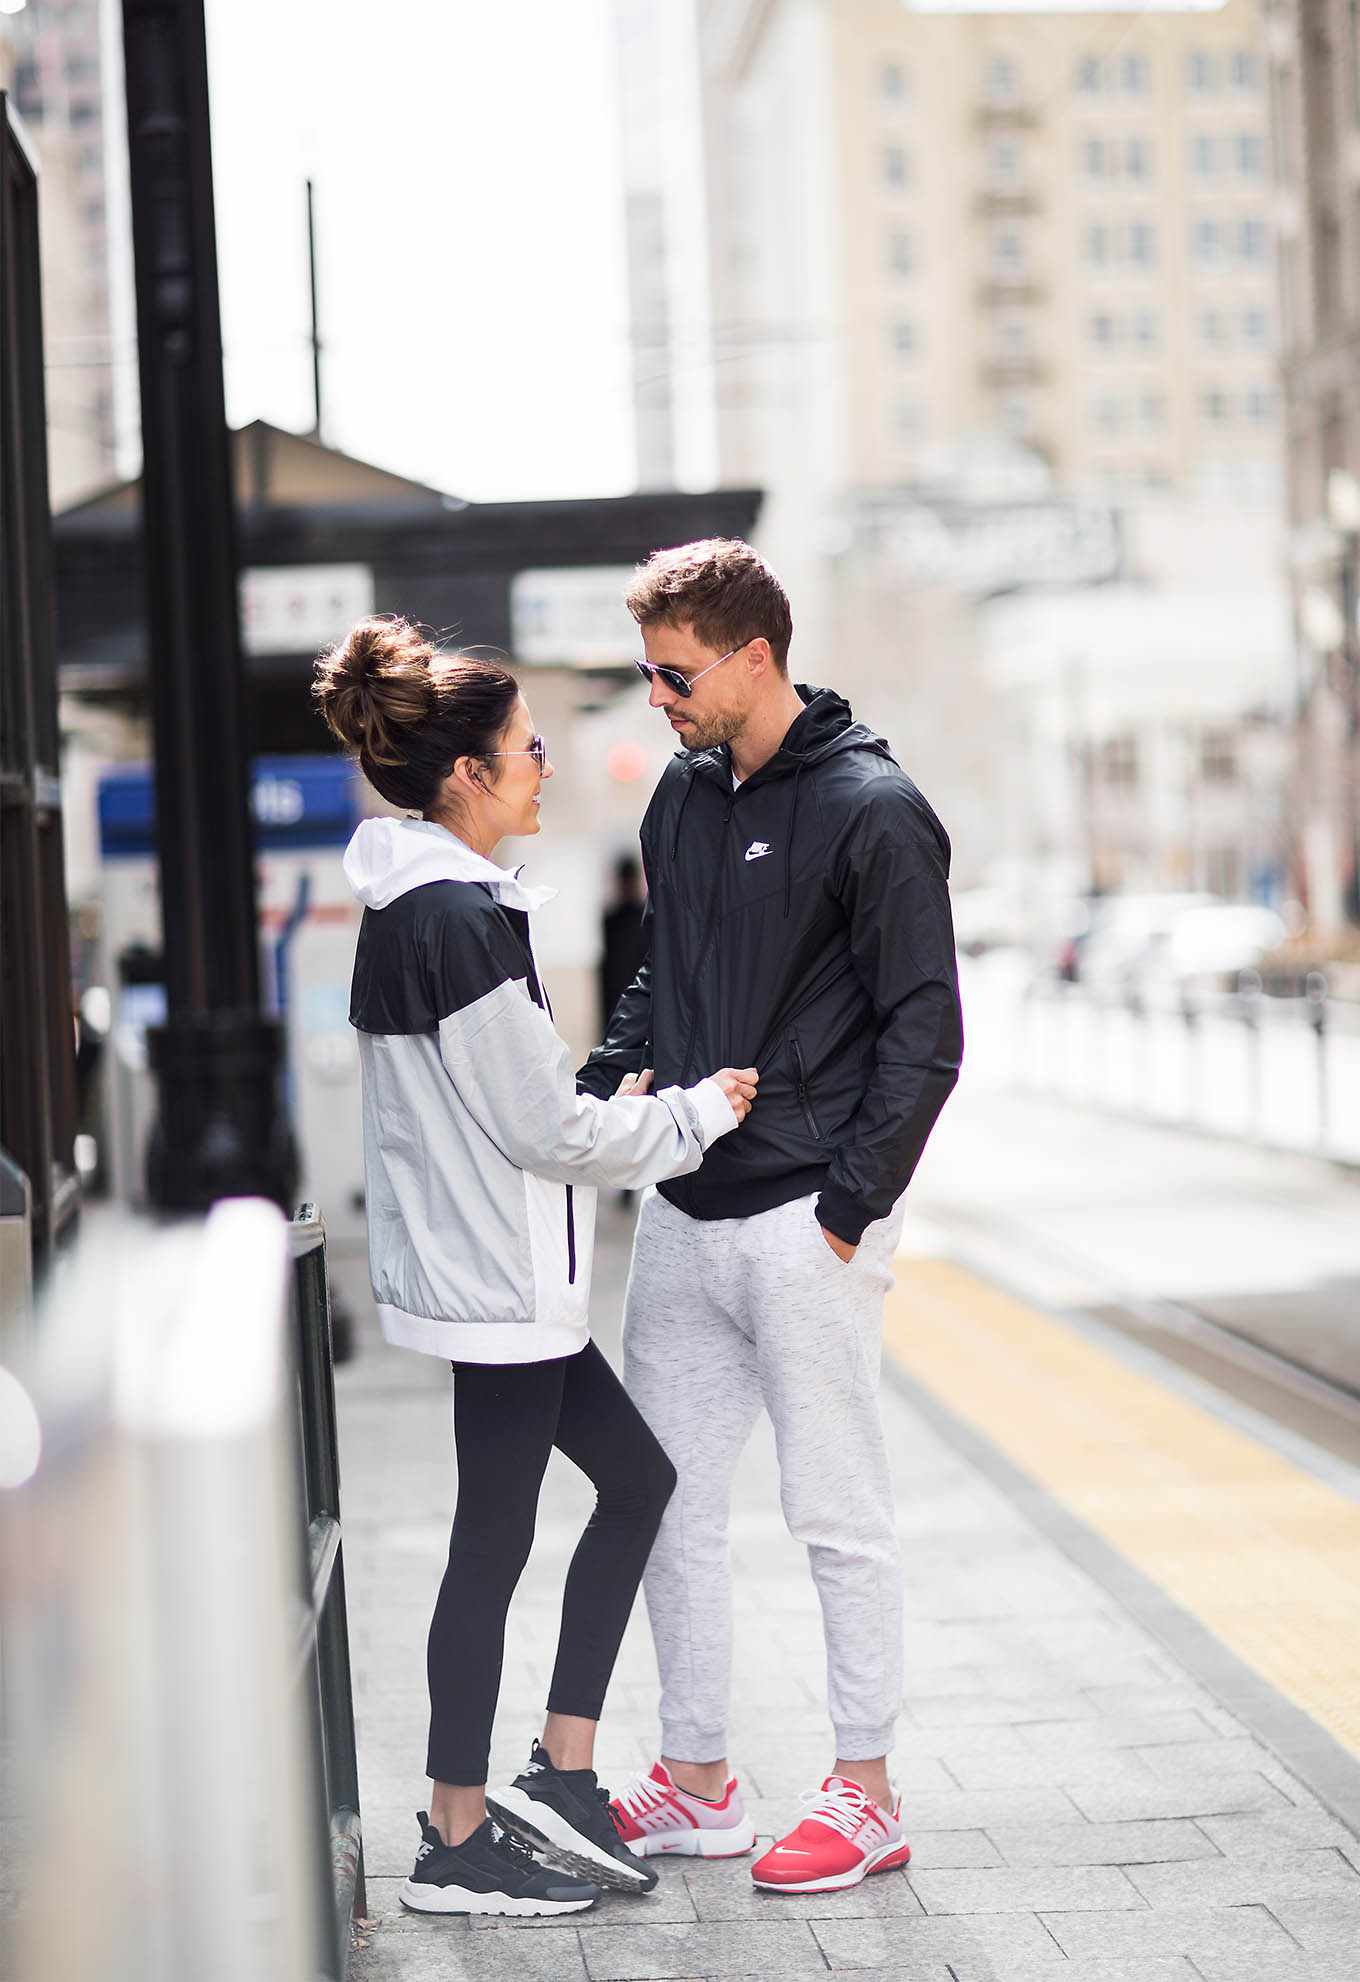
(571, 1240)
(708, 945)
(804, 1098)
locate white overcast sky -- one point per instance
(469, 210)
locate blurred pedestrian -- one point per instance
(799, 919)
(480, 1161)
(623, 936)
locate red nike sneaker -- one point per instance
(844, 1837)
(655, 1816)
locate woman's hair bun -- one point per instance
(376, 684)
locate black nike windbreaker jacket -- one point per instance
(799, 924)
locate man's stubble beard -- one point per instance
(708, 732)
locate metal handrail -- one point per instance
(323, 1635)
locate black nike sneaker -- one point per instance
(566, 1815)
(488, 1873)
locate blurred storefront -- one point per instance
(325, 539)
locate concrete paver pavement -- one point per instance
(1079, 1806)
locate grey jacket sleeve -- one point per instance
(514, 1074)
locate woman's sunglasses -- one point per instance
(683, 684)
(537, 749)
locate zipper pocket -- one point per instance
(571, 1240)
(800, 1079)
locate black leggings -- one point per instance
(506, 1420)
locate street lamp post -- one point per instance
(220, 1130)
(1343, 510)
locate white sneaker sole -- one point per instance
(733, 1842)
(458, 1899)
(874, 1861)
(562, 1846)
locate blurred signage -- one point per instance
(573, 617)
(1002, 547)
(300, 608)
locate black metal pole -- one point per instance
(221, 1130)
(316, 317)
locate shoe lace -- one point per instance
(513, 1848)
(613, 1814)
(638, 1795)
(842, 1807)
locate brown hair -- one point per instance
(409, 711)
(719, 588)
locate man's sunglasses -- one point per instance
(537, 749)
(683, 684)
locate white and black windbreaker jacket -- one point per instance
(481, 1160)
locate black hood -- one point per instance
(826, 727)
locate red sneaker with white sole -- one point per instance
(844, 1837)
(656, 1816)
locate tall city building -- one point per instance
(927, 221)
(53, 64)
(994, 314)
(1314, 64)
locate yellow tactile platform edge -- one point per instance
(1262, 1553)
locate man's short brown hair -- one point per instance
(720, 589)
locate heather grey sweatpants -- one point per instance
(724, 1316)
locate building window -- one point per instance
(1244, 71)
(1133, 74)
(1000, 79)
(904, 340)
(1107, 414)
(1146, 329)
(1008, 250)
(1150, 410)
(899, 252)
(1203, 153)
(1211, 330)
(91, 159)
(1100, 329)
(1218, 757)
(1014, 412)
(1251, 240)
(28, 90)
(1250, 154)
(1003, 161)
(1095, 246)
(1256, 327)
(1199, 72)
(1093, 158)
(1260, 405)
(894, 165)
(1089, 76)
(1142, 243)
(1213, 406)
(1138, 158)
(891, 84)
(1119, 761)
(1012, 337)
(908, 419)
(81, 69)
(1208, 244)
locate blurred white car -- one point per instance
(1205, 949)
(1125, 931)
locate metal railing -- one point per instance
(1281, 1071)
(177, 1671)
(323, 1651)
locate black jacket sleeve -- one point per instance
(625, 1044)
(892, 882)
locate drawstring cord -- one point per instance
(788, 851)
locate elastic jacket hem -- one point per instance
(482, 1341)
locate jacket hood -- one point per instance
(387, 858)
(826, 728)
